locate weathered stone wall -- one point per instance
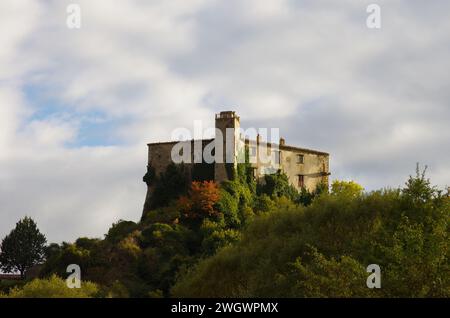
(160, 156)
(314, 169)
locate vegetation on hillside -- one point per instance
(52, 287)
(323, 250)
(243, 239)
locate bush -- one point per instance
(323, 250)
(119, 230)
(277, 185)
(7, 285)
(306, 197)
(348, 188)
(117, 290)
(238, 198)
(169, 214)
(228, 205)
(53, 287)
(216, 236)
(264, 203)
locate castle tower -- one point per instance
(228, 123)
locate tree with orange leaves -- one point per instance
(200, 201)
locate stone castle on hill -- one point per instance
(305, 168)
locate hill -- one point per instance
(243, 239)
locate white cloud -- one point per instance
(376, 100)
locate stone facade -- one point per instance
(304, 167)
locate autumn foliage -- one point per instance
(200, 201)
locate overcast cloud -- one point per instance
(77, 107)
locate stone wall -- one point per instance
(314, 168)
(160, 156)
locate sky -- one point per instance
(78, 106)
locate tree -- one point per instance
(22, 248)
(418, 189)
(119, 230)
(306, 197)
(346, 188)
(201, 200)
(277, 185)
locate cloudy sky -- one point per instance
(77, 107)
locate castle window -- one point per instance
(252, 151)
(301, 181)
(300, 158)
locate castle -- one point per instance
(305, 168)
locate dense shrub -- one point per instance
(228, 205)
(264, 203)
(243, 240)
(119, 230)
(216, 235)
(277, 185)
(168, 214)
(323, 250)
(53, 287)
(347, 188)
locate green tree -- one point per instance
(216, 235)
(277, 185)
(22, 248)
(119, 230)
(348, 188)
